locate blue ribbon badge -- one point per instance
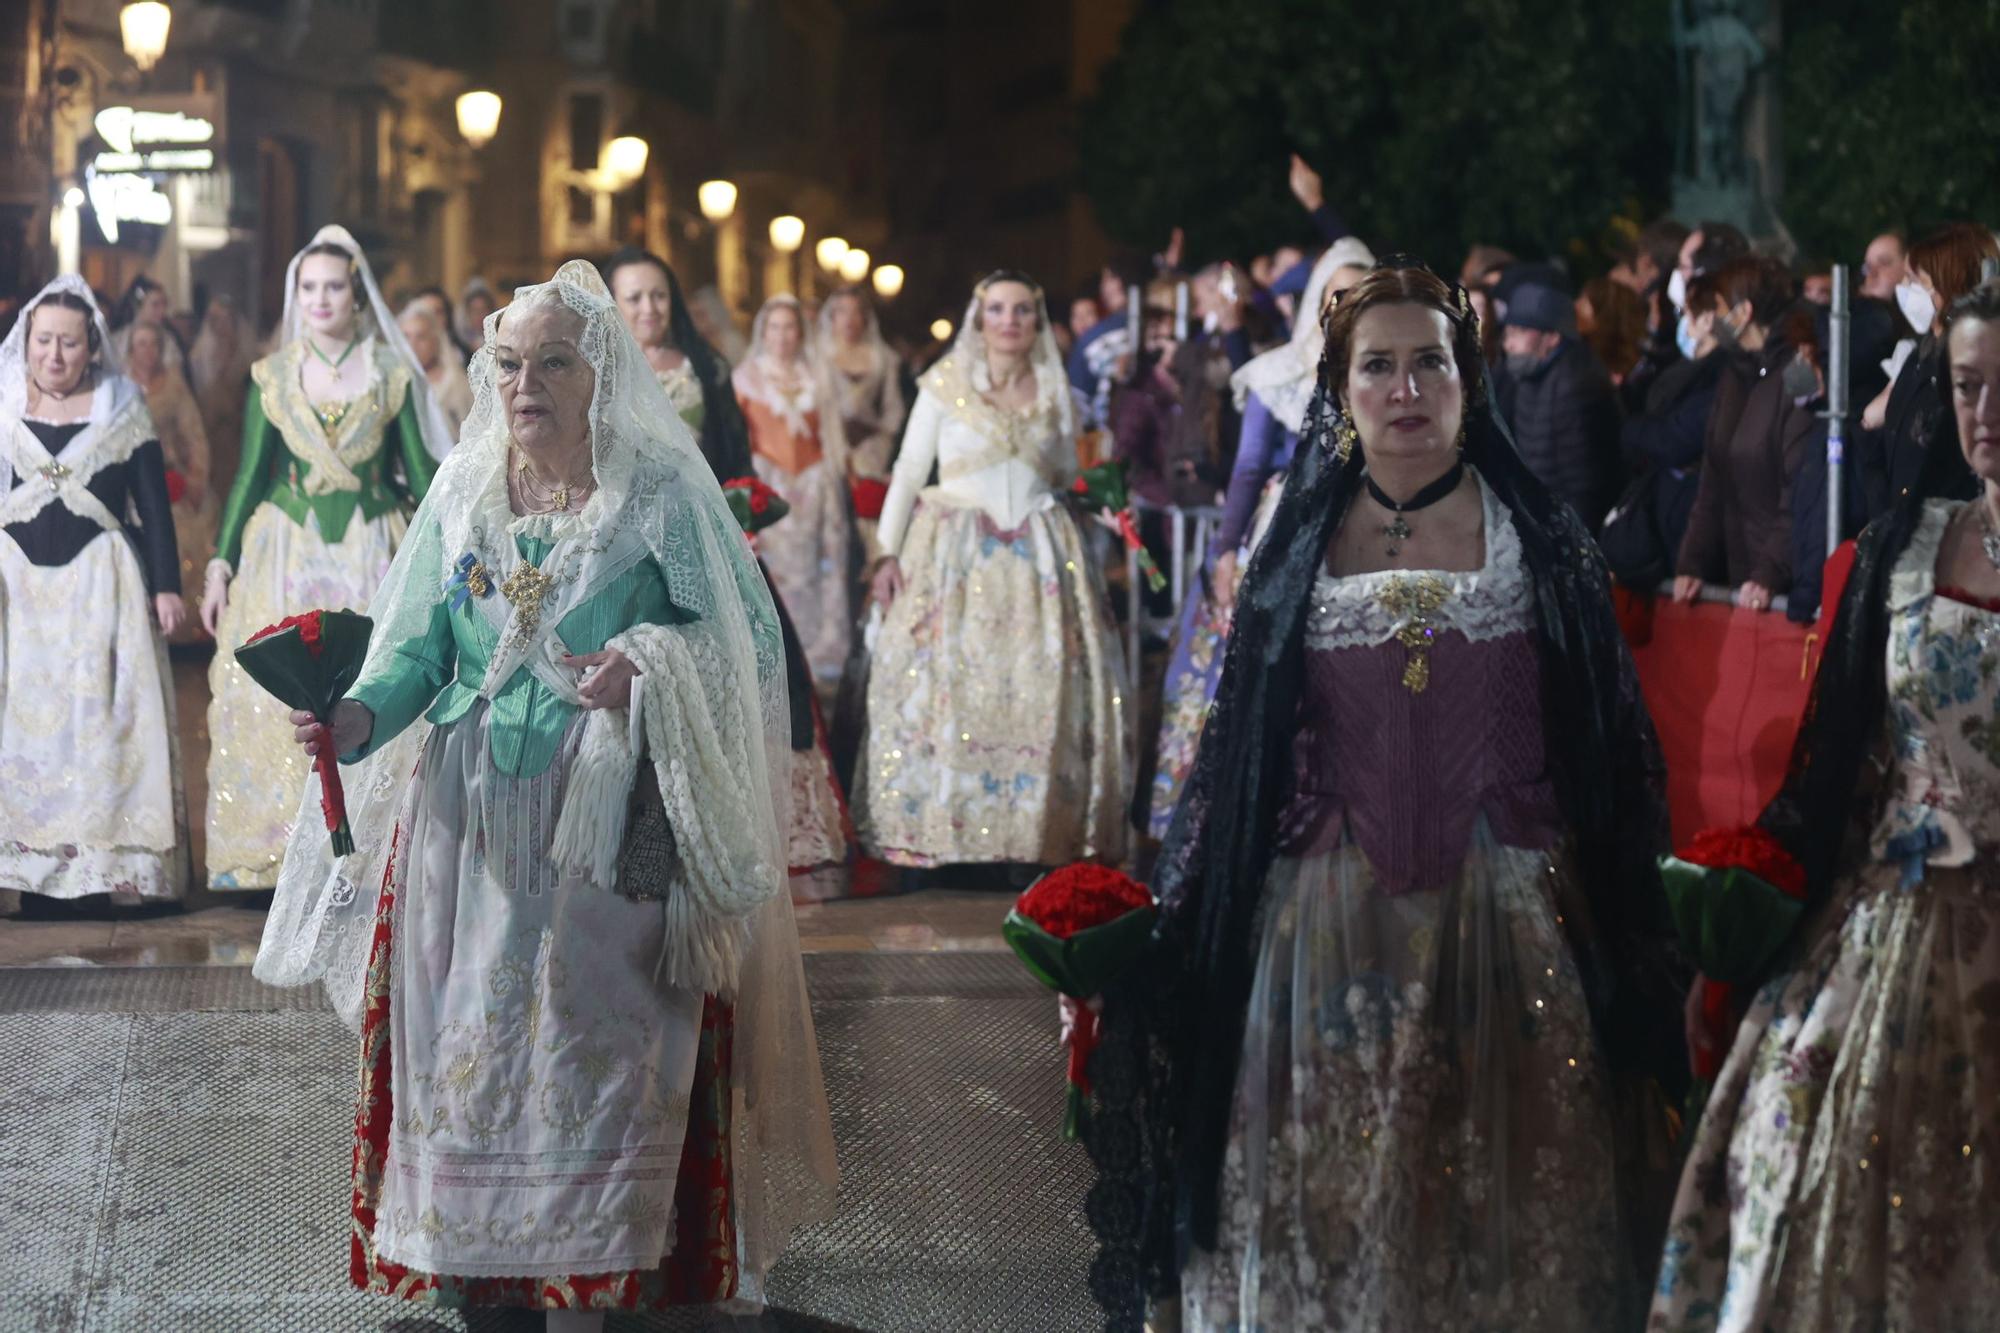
(468, 579)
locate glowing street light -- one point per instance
(787, 233)
(478, 116)
(941, 329)
(854, 265)
(143, 26)
(888, 281)
(830, 251)
(717, 200)
(625, 159)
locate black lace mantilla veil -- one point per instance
(1165, 1074)
(1815, 811)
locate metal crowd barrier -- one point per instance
(1190, 531)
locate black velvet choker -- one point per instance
(1398, 531)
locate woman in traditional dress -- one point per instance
(996, 722)
(1272, 391)
(808, 554)
(146, 304)
(90, 795)
(220, 364)
(340, 439)
(589, 1079)
(1375, 1071)
(1842, 1176)
(694, 376)
(696, 381)
(438, 356)
(475, 303)
(862, 406)
(184, 449)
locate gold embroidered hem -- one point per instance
(255, 770)
(996, 702)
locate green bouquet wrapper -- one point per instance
(1103, 488)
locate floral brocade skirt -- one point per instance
(255, 770)
(996, 727)
(1846, 1172)
(90, 781)
(1423, 1134)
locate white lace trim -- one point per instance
(1490, 602)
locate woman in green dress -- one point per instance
(340, 439)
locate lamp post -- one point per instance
(888, 281)
(143, 28)
(829, 252)
(478, 116)
(854, 264)
(717, 200)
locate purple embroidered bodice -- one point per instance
(1401, 749)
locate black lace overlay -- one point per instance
(1815, 811)
(1165, 1074)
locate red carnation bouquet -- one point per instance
(1735, 895)
(310, 662)
(1103, 489)
(1076, 929)
(869, 496)
(755, 505)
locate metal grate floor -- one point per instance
(175, 1157)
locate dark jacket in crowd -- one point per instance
(1919, 407)
(1565, 418)
(1670, 437)
(1201, 439)
(1740, 528)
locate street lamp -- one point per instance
(787, 233)
(478, 117)
(143, 25)
(854, 265)
(889, 281)
(717, 200)
(625, 160)
(940, 329)
(830, 251)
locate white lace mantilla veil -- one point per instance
(113, 394)
(376, 321)
(965, 364)
(1284, 377)
(751, 381)
(724, 779)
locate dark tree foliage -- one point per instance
(1524, 123)
(1890, 118)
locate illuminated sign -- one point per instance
(158, 134)
(121, 197)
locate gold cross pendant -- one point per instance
(526, 589)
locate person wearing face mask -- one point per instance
(90, 791)
(997, 704)
(1665, 442)
(1394, 1056)
(340, 440)
(1897, 424)
(1740, 530)
(1560, 401)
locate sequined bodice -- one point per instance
(1421, 712)
(1942, 802)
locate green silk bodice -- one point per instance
(293, 458)
(443, 670)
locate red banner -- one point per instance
(1726, 688)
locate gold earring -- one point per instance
(1345, 439)
(1461, 435)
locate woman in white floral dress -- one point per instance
(1844, 1176)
